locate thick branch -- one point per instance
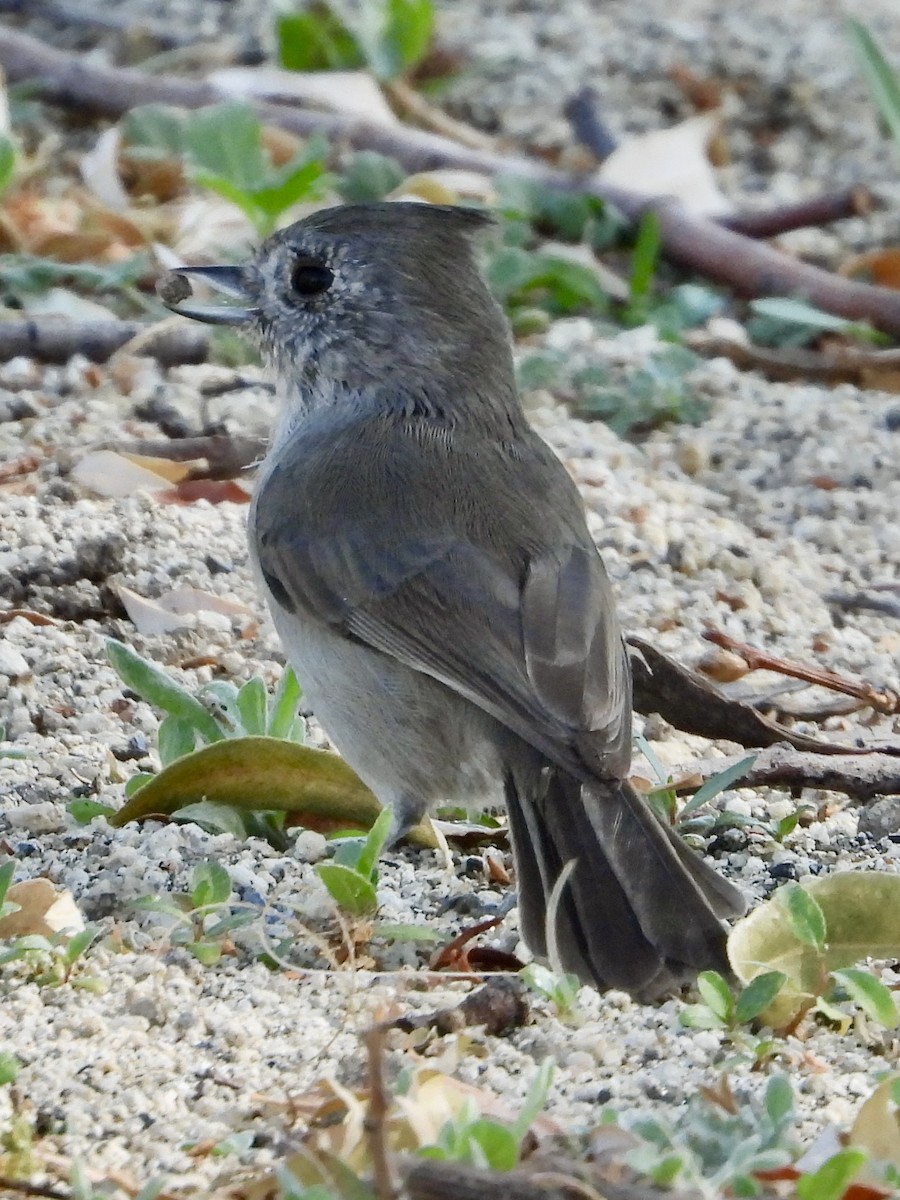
(54, 340)
(697, 243)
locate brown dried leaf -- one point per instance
(43, 909)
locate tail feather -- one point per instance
(641, 911)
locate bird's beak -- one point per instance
(175, 290)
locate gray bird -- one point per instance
(430, 573)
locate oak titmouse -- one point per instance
(429, 569)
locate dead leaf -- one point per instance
(881, 267)
(99, 169)
(670, 162)
(877, 1124)
(43, 909)
(214, 491)
(171, 610)
(355, 93)
(447, 187)
(110, 474)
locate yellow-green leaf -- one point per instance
(263, 773)
(862, 919)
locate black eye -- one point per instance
(310, 278)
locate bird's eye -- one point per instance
(310, 278)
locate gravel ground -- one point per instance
(728, 524)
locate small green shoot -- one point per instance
(485, 1142)
(882, 80)
(50, 961)
(560, 989)
(203, 919)
(223, 150)
(722, 1010)
(785, 322)
(7, 907)
(388, 36)
(352, 875)
(7, 161)
(644, 259)
(9, 1067)
(834, 1177)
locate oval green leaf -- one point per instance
(348, 889)
(862, 920)
(254, 773)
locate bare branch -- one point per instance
(54, 340)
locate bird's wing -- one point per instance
(510, 608)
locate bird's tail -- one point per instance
(640, 911)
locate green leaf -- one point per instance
(136, 782)
(716, 995)
(300, 179)
(215, 818)
(716, 784)
(834, 1176)
(883, 81)
(798, 312)
(252, 703)
(26, 274)
(158, 128)
(535, 1101)
(260, 774)
(644, 257)
(224, 141)
(83, 811)
(78, 943)
(9, 1067)
(207, 953)
(316, 40)
(498, 1146)
(175, 738)
(369, 176)
(869, 994)
(7, 161)
(374, 844)
(284, 705)
(805, 917)
(7, 871)
(155, 686)
(210, 884)
(349, 890)
(862, 916)
(699, 1016)
(758, 995)
(405, 37)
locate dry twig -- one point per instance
(761, 660)
(53, 340)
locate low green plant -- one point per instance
(203, 917)
(389, 37)
(881, 78)
(352, 875)
(685, 816)
(486, 1142)
(7, 161)
(222, 148)
(785, 322)
(715, 1146)
(560, 988)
